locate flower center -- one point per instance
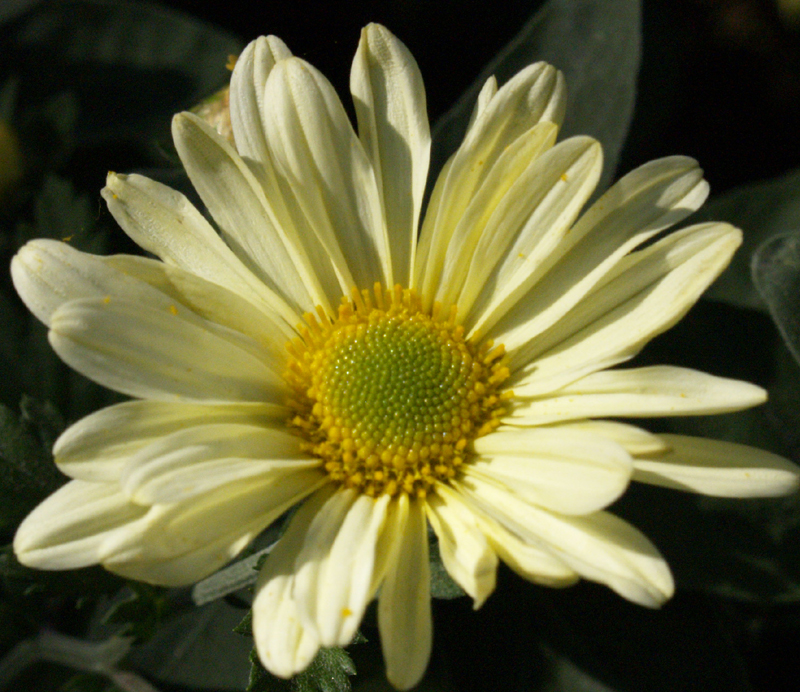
(389, 396)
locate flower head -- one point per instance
(311, 351)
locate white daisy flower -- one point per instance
(309, 349)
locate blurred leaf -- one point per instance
(198, 649)
(328, 672)
(564, 676)
(762, 210)
(12, 8)
(60, 213)
(142, 609)
(27, 472)
(101, 50)
(597, 44)
(86, 682)
(776, 272)
(34, 592)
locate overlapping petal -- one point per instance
(713, 467)
(572, 471)
(404, 605)
(535, 94)
(192, 461)
(163, 354)
(645, 294)
(69, 529)
(642, 203)
(640, 392)
(331, 179)
(180, 543)
(247, 95)
(244, 214)
(336, 565)
(465, 552)
(162, 221)
(393, 127)
(600, 547)
(98, 447)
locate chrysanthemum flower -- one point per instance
(310, 350)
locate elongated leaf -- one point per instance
(776, 272)
(198, 649)
(762, 210)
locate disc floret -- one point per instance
(388, 395)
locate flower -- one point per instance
(313, 353)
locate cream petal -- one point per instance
(47, 274)
(285, 647)
(205, 531)
(185, 568)
(97, 447)
(248, 114)
(646, 293)
(633, 440)
(284, 644)
(243, 213)
(529, 561)
(490, 211)
(162, 221)
(642, 203)
(247, 94)
(394, 528)
(159, 354)
(567, 471)
(466, 554)
(535, 94)
(723, 469)
(640, 392)
(600, 547)
(389, 99)
(522, 237)
(212, 302)
(196, 460)
(404, 606)
(485, 96)
(318, 154)
(335, 568)
(68, 529)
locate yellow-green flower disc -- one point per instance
(390, 396)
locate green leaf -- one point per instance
(142, 608)
(597, 44)
(330, 671)
(776, 272)
(762, 210)
(245, 627)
